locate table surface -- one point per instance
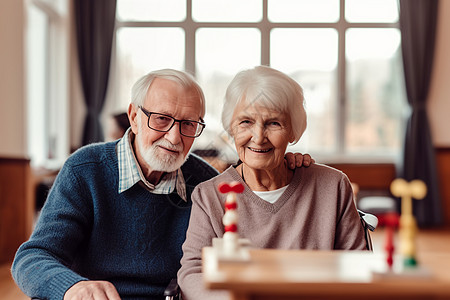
(327, 274)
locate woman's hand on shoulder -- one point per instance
(297, 160)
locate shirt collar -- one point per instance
(130, 172)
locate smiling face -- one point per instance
(261, 135)
(164, 151)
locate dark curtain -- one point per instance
(418, 28)
(95, 21)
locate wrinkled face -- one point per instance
(261, 135)
(164, 151)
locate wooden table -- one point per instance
(288, 274)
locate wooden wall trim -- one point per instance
(369, 176)
(16, 205)
(443, 166)
(13, 160)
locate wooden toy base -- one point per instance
(240, 255)
(401, 273)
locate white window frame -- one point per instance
(55, 114)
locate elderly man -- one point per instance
(116, 217)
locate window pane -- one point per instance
(303, 11)
(151, 10)
(310, 57)
(227, 11)
(375, 91)
(220, 54)
(371, 11)
(37, 79)
(141, 50)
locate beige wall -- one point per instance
(12, 80)
(12, 83)
(439, 96)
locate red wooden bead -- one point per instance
(234, 186)
(224, 187)
(237, 187)
(231, 228)
(229, 206)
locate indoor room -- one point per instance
(374, 80)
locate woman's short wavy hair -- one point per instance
(270, 88)
(187, 81)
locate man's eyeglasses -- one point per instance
(163, 123)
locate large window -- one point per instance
(47, 82)
(344, 53)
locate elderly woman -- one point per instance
(304, 208)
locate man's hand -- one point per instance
(92, 290)
(296, 160)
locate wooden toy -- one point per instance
(408, 226)
(408, 268)
(231, 247)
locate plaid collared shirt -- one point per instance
(130, 172)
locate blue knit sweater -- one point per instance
(87, 230)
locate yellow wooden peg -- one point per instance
(408, 227)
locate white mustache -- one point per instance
(168, 145)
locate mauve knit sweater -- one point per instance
(316, 211)
(87, 230)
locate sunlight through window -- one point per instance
(348, 63)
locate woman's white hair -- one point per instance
(187, 81)
(270, 88)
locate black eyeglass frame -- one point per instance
(201, 124)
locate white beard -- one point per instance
(158, 161)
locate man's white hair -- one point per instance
(187, 81)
